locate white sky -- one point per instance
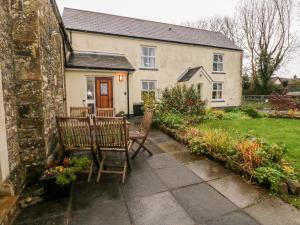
(170, 11)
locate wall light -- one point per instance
(121, 77)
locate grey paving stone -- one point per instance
(159, 138)
(43, 211)
(208, 169)
(155, 149)
(238, 191)
(172, 146)
(274, 211)
(142, 184)
(186, 157)
(113, 213)
(158, 209)
(234, 218)
(57, 220)
(89, 195)
(202, 202)
(178, 176)
(162, 161)
(139, 164)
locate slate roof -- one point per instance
(99, 61)
(95, 22)
(188, 74)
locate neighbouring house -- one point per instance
(116, 59)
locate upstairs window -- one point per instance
(148, 57)
(148, 89)
(217, 92)
(218, 63)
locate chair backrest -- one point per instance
(105, 112)
(110, 132)
(74, 133)
(146, 122)
(80, 111)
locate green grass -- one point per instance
(286, 131)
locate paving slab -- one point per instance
(160, 138)
(158, 209)
(155, 149)
(173, 146)
(162, 161)
(90, 195)
(208, 169)
(56, 220)
(186, 157)
(178, 176)
(142, 184)
(238, 191)
(43, 211)
(202, 202)
(274, 211)
(234, 218)
(113, 213)
(139, 165)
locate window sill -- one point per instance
(150, 69)
(218, 100)
(216, 72)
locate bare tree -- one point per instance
(266, 25)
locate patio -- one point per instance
(171, 187)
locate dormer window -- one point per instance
(218, 63)
(148, 59)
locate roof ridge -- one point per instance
(133, 18)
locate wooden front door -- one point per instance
(104, 92)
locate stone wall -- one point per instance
(8, 85)
(34, 81)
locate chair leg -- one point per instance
(124, 172)
(147, 150)
(127, 160)
(95, 158)
(90, 172)
(138, 150)
(100, 169)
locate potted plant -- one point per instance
(58, 177)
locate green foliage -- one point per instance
(252, 112)
(182, 99)
(149, 100)
(172, 120)
(66, 172)
(269, 175)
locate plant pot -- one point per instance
(53, 190)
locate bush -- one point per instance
(172, 120)
(283, 102)
(182, 99)
(252, 112)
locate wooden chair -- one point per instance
(75, 136)
(140, 136)
(105, 112)
(111, 135)
(80, 111)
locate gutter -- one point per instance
(128, 105)
(99, 68)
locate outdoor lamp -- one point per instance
(121, 77)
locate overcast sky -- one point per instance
(175, 11)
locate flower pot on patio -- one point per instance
(52, 190)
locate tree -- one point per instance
(266, 25)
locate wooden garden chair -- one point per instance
(80, 111)
(75, 136)
(105, 112)
(111, 136)
(140, 136)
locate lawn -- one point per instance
(286, 131)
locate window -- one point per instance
(217, 92)
(148, 89)
(199, 89)
(148, 57)
(218, 63)
(90, 92)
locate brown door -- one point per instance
(104, 92)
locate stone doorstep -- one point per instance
(8, 209)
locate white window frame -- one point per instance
(90, 101)
(147, 56)
(148, 90)
(217, 90)
(218, 63)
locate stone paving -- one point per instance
(172, 187)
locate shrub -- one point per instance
(172, 120)
(182, 99)
(282, 102)
(252, 112)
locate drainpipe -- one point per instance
(128, 111)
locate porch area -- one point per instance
(171, 187)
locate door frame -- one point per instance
(112, 89)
